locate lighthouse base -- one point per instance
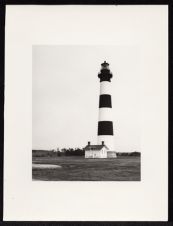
(111, 154)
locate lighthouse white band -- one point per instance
(108, 141)
(105, 88)
(105, 114)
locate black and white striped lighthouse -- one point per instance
(105, 123)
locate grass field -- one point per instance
(126, 168)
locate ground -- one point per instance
(126, 168)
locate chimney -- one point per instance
(103, 143)
(89, 142)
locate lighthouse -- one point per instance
(105, 143)
(105, 123)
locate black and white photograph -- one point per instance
(86, 113)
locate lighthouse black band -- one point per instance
(105, 128)
(105, 101)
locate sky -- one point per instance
(65, 95)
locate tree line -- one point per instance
(73, 152)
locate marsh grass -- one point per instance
(124, 168)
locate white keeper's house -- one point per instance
(96, 151)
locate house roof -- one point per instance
(95, 147)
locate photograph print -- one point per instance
(86, 113)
